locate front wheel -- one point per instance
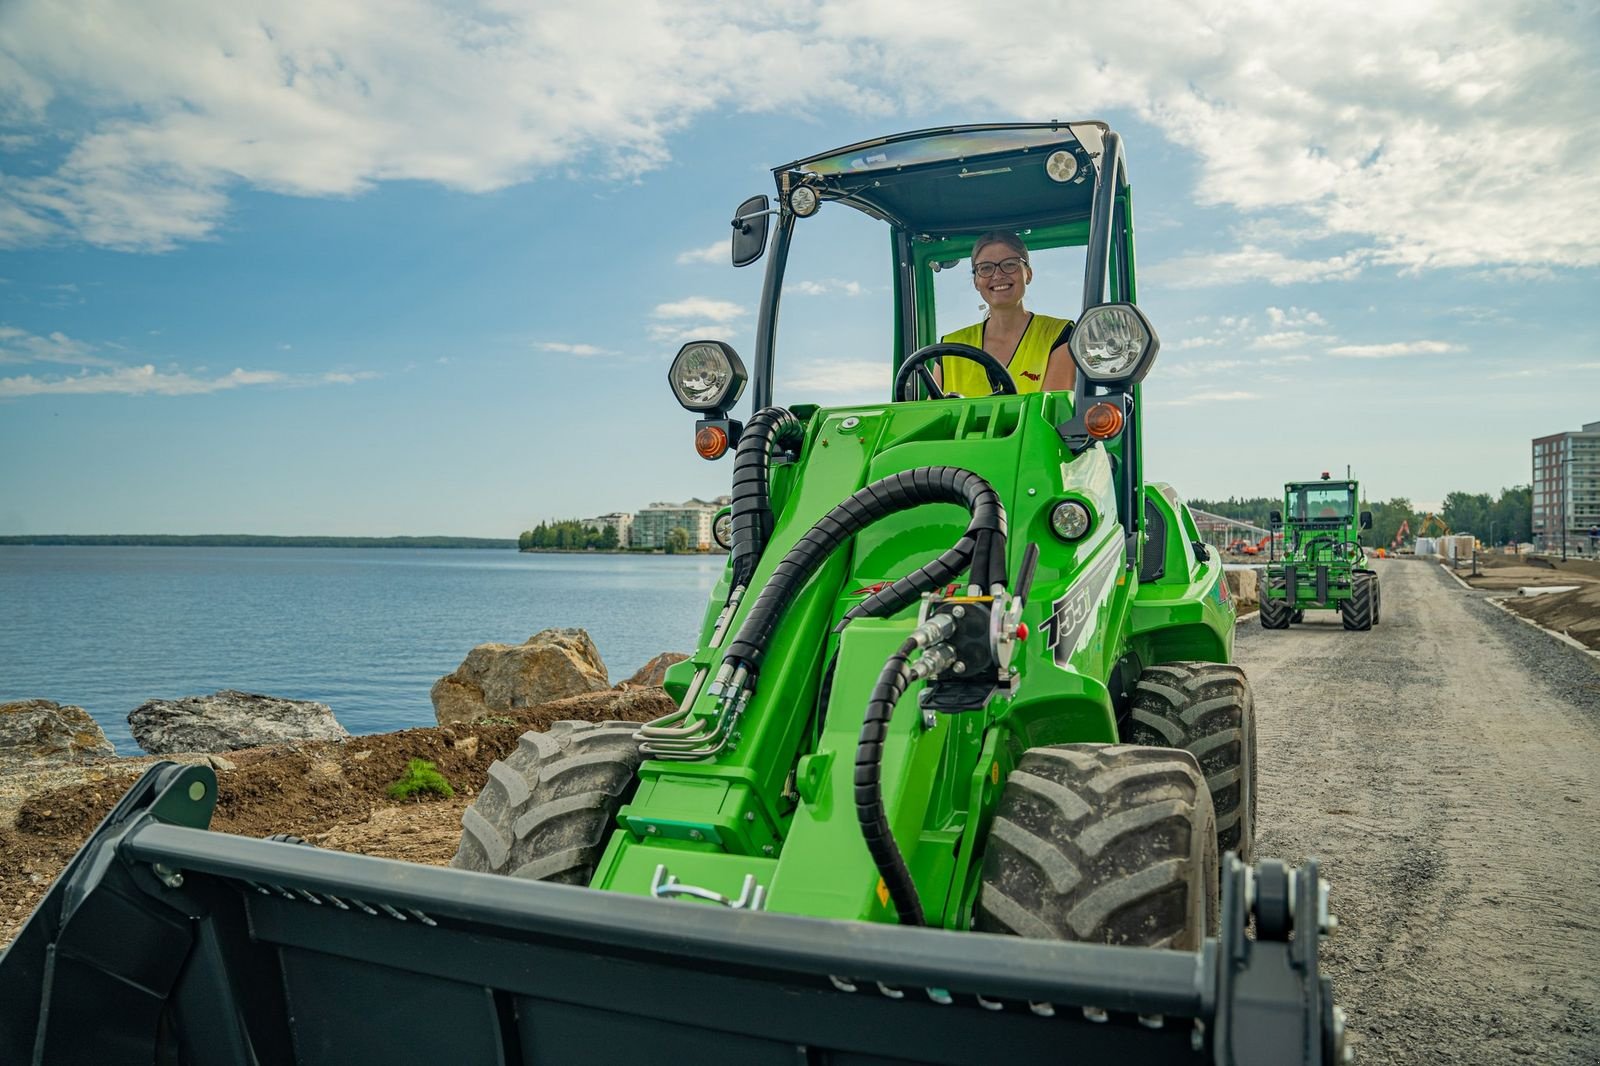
(1106, 844)
(547, 809)
(1207, 710)
(1275, 614)
(1358, 612)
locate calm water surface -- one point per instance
(365, 630)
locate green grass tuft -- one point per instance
(420, 776)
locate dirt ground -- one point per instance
(1575, 613)
(333, 794)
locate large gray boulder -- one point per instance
(495, 678)
(229, 720)
(34, 730)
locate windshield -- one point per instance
(1308, 503)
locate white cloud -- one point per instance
(825, 287)
(20, 346)
(860, 378)
(1294, 318)
(581, 350)
(1189, 399)
(1409, 136)
(715, 252)
(1395, 350)
(136, 381)
(699, 307)
(342, 378)
(1251, 264)
(664, 334)
(1293, 338)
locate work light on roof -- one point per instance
(707, 376)
(1062, 166)
(804, 201)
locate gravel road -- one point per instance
(1445, 767)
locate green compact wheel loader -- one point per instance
(960, 770)
(1323, 566)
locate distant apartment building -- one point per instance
(1566, 489)
(620, 521)
(694, 517)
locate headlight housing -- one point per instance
(707, 376)
(1114, 344)
(1070, 520)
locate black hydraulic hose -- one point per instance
(898, 492)
(875, 828)
(752, 506)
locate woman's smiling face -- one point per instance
(1000, 289)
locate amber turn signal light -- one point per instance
(711, 442)
(1103, 421)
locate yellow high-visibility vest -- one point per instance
(1027, 365)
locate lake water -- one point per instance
(365, 630)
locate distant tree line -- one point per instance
(568, 535)
(1501, 519)
(248, 540)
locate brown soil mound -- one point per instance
(1575, 613)
(331, 793)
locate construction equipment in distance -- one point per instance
(961, 770)
(1324, 566)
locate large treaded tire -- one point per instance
(1377, 599)
(1357, 611)
(1208, 710)
(547, 808)
(1275, 613)
(1109, 844)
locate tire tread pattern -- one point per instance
(546, 809)
(1098, 843)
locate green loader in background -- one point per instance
(1324, 566)
(961, 769)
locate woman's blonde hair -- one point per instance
(1000, 236)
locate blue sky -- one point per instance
(418, 268)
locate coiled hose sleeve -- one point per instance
(875, 829)
(898, 492)
(752, 506)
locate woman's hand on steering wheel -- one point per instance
(916, 365)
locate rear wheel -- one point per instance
(1275, 613)
(1108, 844)
(1377, 599)
(1208, 710)
(1297, 617)
(547, 809)
(1357, 611)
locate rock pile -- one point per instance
(495, 678)
(43, 730)
(230, 720)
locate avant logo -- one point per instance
(1069, 616)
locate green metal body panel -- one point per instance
(1322, 546)
(779, 803)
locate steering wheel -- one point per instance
(916, 364)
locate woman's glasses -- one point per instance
(1005, 266)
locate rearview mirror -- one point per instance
(1366, 519)
(1275, 519)
(750, 230)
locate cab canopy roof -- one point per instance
(961, 179)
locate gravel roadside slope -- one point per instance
(1445, 766)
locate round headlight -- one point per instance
(706, 376)
(722, 530)
(804, 201)
(1114, 342)
(1069, 520)
(1062, 166)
